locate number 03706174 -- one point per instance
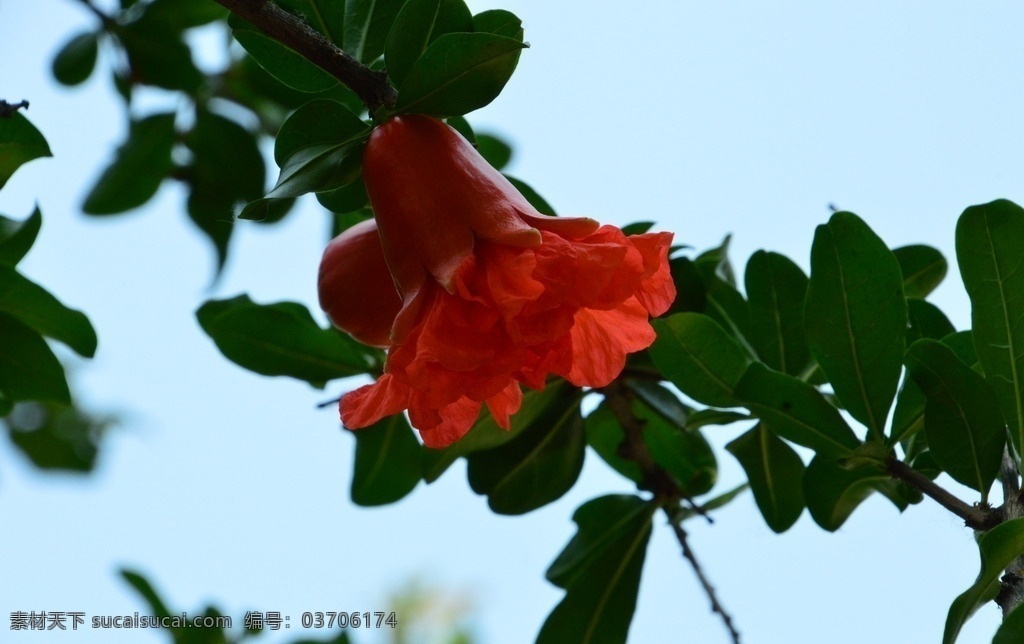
(332, 619)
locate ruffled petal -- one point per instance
(657, 290)
(602, 339)
(370, 403)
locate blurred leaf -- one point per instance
(367, 23)
(719, 501)
(499, 21)
(17, 237)
(462, 126)
(486, 434)
(705, 417)
(325, 16)
(227, 169)
(459, 73)
(989, 239)
(497, 152)
(832, 493)
(284, 64)
(388, 462)
(34, 306)
(1011, 631)
(796, 411)
(600, 570)
(141, 164)
(419, 23)
(776, 288)
(531, 195)
(142, 586)
(682, 453)
(281, 339)
(158, 55)
(965, 429)
(923, 268)
(856, 317)
(926, 321)
(28, 368)
(637, 227)
(56, 437)
(998, 547)
(75, 61)
(536, 467)
(699, 357)
(775, 473)
(715, 261)
(606, 436)
(20, 142)
(185, 14)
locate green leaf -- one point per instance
(141, 164)
(316, 169)
(923, 268)
(316, 123)
(367, 23)
(76, 59)
(691, 294)
(682, 453)
(157, 55)
(486, 434)
(796, 411)
(998, 547)
(459, 73)
(721, 500)
(606, 436)
(28, 368)
(776, 288)
(284, 64)
(497, 152)
(419, 23)
(660, 399)
(705, 417)
(965, 429)
(227, 169)
(185, 14)
(1011, 631)
(281, 339)
(33, 305)
(388, 464)
(350, 197)
(20, 142)
(926, 321)
(17, 237)
(56, 437)
(699, 357)
(908, 414)
(832, 493)
(600, 570)
(715, 261)
(146, 590)
(531, 195)
(499, 21)
(988, 242)
(856, 317)
(325, 16)
(538, 465)
(775, 473)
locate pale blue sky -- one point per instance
(226, 487)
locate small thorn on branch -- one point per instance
(7, 110)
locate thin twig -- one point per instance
(372, 87)
(709, 590)
(7, 110)
(973, 516)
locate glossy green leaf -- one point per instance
(662, 400)
(796, 411)
(600, 569)
(908, 414)
(158, 55)
(316, 169)
(1011, 631)
(499, 21)
(17, 237)
(989, 239)
(33, 305)
(537, 466)
(318, 122)
(459, 73)
(699, 357)
(76, 59)
(682, 453)
(281, 339)
(227, 170)
(388, 463)
(965, 429)
(325, 16)
(284, 64)
(56, 437)
(532, 196)
(367, 23)
(28, 368)
(926, 321)
(20, 142)
(497, 152)
(706, 417)
(726, 305)
(923, 268)
(419, 23)
(606, 436)
(139, 167)
(998, 547)
(856, 317)
(691, 294)
(350, 197)
(832, 493)
(776, 288)
(486, 434)
(776, 475)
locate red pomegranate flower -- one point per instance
(489, 293)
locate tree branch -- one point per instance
(973, 516)
(372, 87)
(7, 110)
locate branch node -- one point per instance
(7, 110)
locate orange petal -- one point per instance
(370, 403)
(602, 339)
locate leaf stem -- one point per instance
(978, 518)
(370, 86)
